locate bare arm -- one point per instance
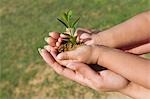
(132, 67)
(131, 32)
(136, 91)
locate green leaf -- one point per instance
(69, 14)
(75, 22)
(65, 17)
(62, 22)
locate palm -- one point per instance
(113, 81)
(103, 80)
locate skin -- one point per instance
(101, 81)
(129, 34)
(117, 60)
(116, 37)
(107, 78)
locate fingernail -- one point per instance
(49, 33)
(40, 50)
(46, 46)
(46, 39)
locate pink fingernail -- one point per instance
(39, 49)
(46, 39)
(46, 46)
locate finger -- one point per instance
(60, 39)
(66, 62)
(82, 30)
(49, 48)
(85, 36)
(66, 55)
(90, 42)
(78, 39)
(54, 35)
(64, 36)
(58, 44)
(143, 49)
(61, 70)
(52, 50)
(58, 68)
(68, 73)
(54, 54)
(51, 41)
(84, 69)
(46, 56)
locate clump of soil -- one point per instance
(68, 46)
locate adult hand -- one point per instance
(55, 38)
(101, 81)
(83, 35)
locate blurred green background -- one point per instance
(24, 24)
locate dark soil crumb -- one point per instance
(68, 47)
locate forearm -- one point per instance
(136, 91)
(129, 66)
(133, 31)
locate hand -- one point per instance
(55, 39)
(136, 91)
(101, 81)
(86, 35)
(83, 35)
(139, 50)
(86, 54)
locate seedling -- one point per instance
(70, 25)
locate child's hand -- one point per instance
(55, 39)
(87, 54)
(83, 35)
(86, 35)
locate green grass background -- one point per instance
(24, 24)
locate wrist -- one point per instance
(98, 52)
(127, 90)
(135, 91)
(102, 52)
(104, 38)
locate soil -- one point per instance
(68, 47)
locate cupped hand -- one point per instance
(88, 54)
(55, 39)
(79, 72)
(83, 35)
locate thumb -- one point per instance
(85, 36)
(66, 56)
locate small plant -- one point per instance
(70, 24)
